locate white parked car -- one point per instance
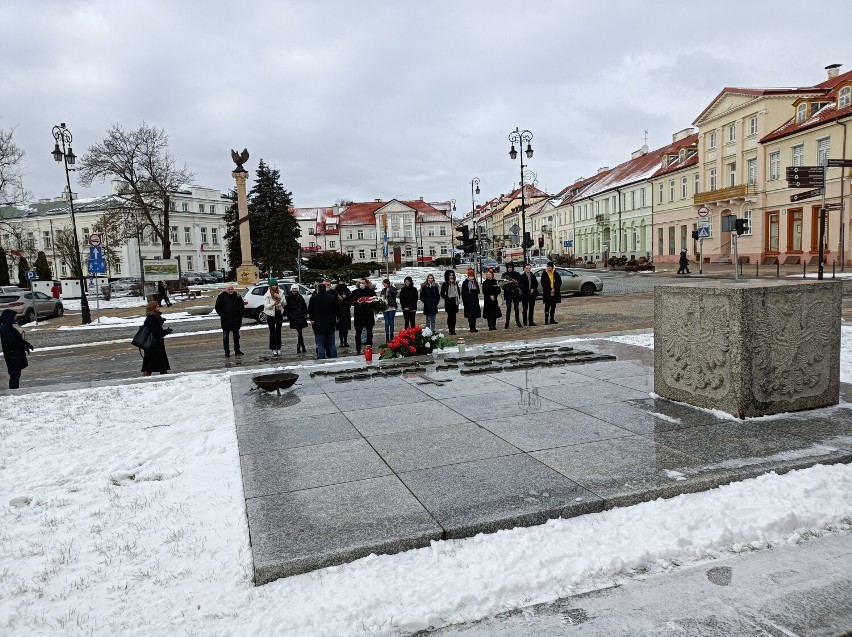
(253, 298)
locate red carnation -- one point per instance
(412, 349)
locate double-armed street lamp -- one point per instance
(474, 190)
(62, 136)
(518, 137)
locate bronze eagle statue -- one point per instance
(240, 159)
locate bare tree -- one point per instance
(141, 160)
(63, 247)
(11, 169)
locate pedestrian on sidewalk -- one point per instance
(451, 294)
(389, 294)
(430, 295)
(14, 346)
(344, 311)
(408, 301)
(551, 292)
(163, 295)
(683, 263)
(323, 313)
(273, 306)
(512, 293)
(56, 290)
(155, 359)
(529, 290)
(491, 291)
(363, 315)
(470, 298)
(229, 306)
(297, 314)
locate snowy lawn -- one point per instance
(121, 512)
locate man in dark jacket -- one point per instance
(229, 307)
(323, 314)
(529, 290)
(551, 292)
(512, 294)
(14, 346)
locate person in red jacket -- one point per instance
(56, 290)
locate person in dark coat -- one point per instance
(491, 292)
(430, 295)
(344, 311)
(364, 317)
(389, 294)
(155, 359)
(324, 313)
(15, 347)
(470, 298)
(162, 294)
(451, 294)
(408, 301)
(551, 289)
(230, 307)
(297, 314)
(529, 290)
(512, 295)
(683, 263)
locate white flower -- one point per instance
(428, 344)
(427, 331)
(434, 338)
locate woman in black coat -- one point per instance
(408, 301)
(15, 348)
(470, 298)
(430, 294)
(491, 291)
(297, 313)
(155, 359)
(365, 317)
(451, 294)
(344, 311)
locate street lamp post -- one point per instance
(63, 136)
(452, 253)
(475, 183)
(518, 137)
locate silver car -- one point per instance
(573, 283)
(27, 304)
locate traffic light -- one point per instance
(541, 242)
(695, 235)
(742, 226)
(464, 240)
(528, 242)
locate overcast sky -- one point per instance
(365, 100)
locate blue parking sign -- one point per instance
(31, 275)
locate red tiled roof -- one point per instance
(358, 214)
(825, 115)
(690, 143)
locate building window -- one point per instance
(822, 150)
(633, 200)
(751, 165)
(432, 251)
(431, 232)
(45, 235)
(85, 235)
(408, 252)
(671, 239)
(732, 174)
(802, 112)
(212, 209)
(732, 133)
(204, 235)
(642, 196)
(187, 235)
(711, 179)
(172, 206)
(747, 217)
(684, 187)
(201, 207)
(711, 140)
(361, 234)
(332, 244)
(63, 268)
(373, 253)
(419, 251)
(189, 263)
(695, 186)
(683, 238)
(443, 250)
(772, 232)
(184, 207)
(844, 98)
(350, 253)
(214, 236)
(660, 193)
(361, 254)
(310, 231)
(775, 165)
(349, 234)
(443, 231)
(173, 234)
(373, 234)
(671, 190)
(752, 125)
(794, 230)
(116, 267)
(798, 155)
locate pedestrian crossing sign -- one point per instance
(703, 233)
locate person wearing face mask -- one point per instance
(470, 298)
(344, 311)
(297, 315)
(529, 290)
(430, 295)
(451, 294)
(364, 317)
(408, 301)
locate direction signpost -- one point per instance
(808, 194)
(840, 163)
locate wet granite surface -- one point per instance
(333, 471)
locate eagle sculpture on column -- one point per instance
(240, 159)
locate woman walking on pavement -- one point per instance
(365, 317)
(431, 296)
(389, 293)
(470, 298)
(451, 294)
(162, 294)
(408, 301)
(683, 263)
(15, 347)
(273, 306)
(155, 359)
(491, 291)
(297, 315)
(344, 311)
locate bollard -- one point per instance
(777, 269)
(757, 269)
(740, 265)
(833, 263)
(804, 269)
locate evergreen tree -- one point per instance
(232, 235)
(274, 230)
(4, 268)
(23, 268)
(42, 267)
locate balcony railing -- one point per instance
(602, 219)
(722, 194)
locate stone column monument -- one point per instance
(247, 272)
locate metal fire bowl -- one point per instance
(275, 382)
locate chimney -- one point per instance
(421, 198)
(603, 169)
(378, 201)
(833, 70)
(682, 134)
(637, 153)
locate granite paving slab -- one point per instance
(589, 393)
(638, 382)
(614, 369)
(831, 429)
(631, 469)
(497, 493)
(458, 385)
(397, 417)
(310, 467)
(439, 446)
(287, 433)
(302, 531)
(542, 376)
(366, 395)
(552, 429)
(649, 415)
(502, 404)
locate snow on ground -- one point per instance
(121, 512)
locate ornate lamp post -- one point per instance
(452, 253)
(63, 136)
(518, 137)
(474, 183)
